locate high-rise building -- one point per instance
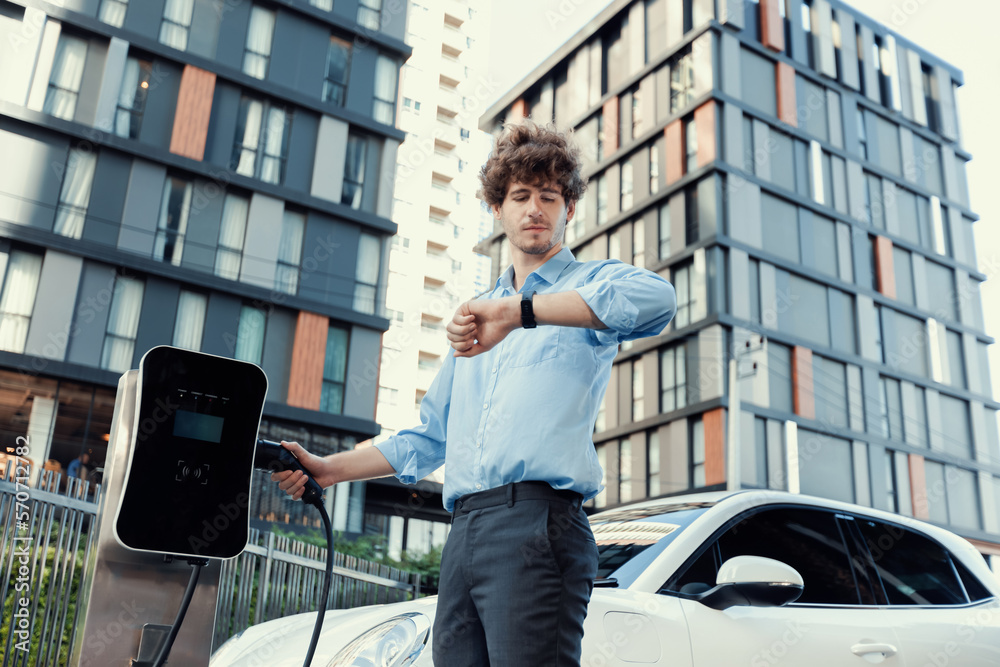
(797, 171)
(433, 266)
(210, 175)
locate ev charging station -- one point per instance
(175, 502)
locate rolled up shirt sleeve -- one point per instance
(631, 302)
(416, 452)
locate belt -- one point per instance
(508, 494)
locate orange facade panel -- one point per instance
(784, 85)
(194, 109)
(305, 378)
(518, 110)
(674, 140)
(803, 402)
(772, 26)
(918, 487)
(610, 112)
(714, 422)
(704, 121)
(885, 272)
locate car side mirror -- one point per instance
(755, 582)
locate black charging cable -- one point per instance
(168, 642)
(272, 457)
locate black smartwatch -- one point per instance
(527, 310)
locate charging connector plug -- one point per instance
(272, 457)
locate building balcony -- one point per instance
(449, 100)
(443, 199)
(452, 71)
(432, 340)
(445, 165)
(441, 234)
(453, 41)
(439, 303)
(438, 270)
(447, 133)
(455, 12)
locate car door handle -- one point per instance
(871, 650)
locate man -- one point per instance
(511, 414)
(78, 466)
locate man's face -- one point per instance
(85, 458)
(534, 216)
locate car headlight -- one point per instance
(393, 643)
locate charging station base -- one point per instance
(131, 589)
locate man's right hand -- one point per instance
(293, 482)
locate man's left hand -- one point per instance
(480, 325)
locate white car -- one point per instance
(752, 578)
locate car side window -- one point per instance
(914, 569)
(810, 540)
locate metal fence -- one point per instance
(51, 530)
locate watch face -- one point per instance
(527, 311)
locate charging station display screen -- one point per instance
(196, 426)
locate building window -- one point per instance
(464, 135)
(384, 105)
(20, 284)
(625, 471)
(690, 145)
(257, 54)
(600, 137)
(286, 273)
(892, 409)
(176, 23)
(66, 76)
(602, 199)
(366, 273)
(638, 126)
(132, 97)
(639, 243)
(354, 171)
(654, 169)
(338, 63)
(653, 464)
(370, 14)
(626, 185)
(576, 227)
(601, 499)
(681, 83)
(326, 5)
(174, 210)
(250, 335)
(123, 324)
(113, 12)
(862, 134)
(682, 286)
(229, 254)
(190, 322)
(334, 371)
(261, 146)
(673, 379)
(663, 223)
(696, 433)
(615, 244)
(74, 196)
(638, 391)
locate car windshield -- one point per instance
(629, 540)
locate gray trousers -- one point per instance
(516, 576)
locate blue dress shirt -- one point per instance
(525, 410)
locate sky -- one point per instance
(961, 32)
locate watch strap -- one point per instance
(528, 310)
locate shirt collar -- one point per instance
(549, 271)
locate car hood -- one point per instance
(283, 642)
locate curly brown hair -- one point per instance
(532, 154)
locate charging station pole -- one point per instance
(133, 596)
